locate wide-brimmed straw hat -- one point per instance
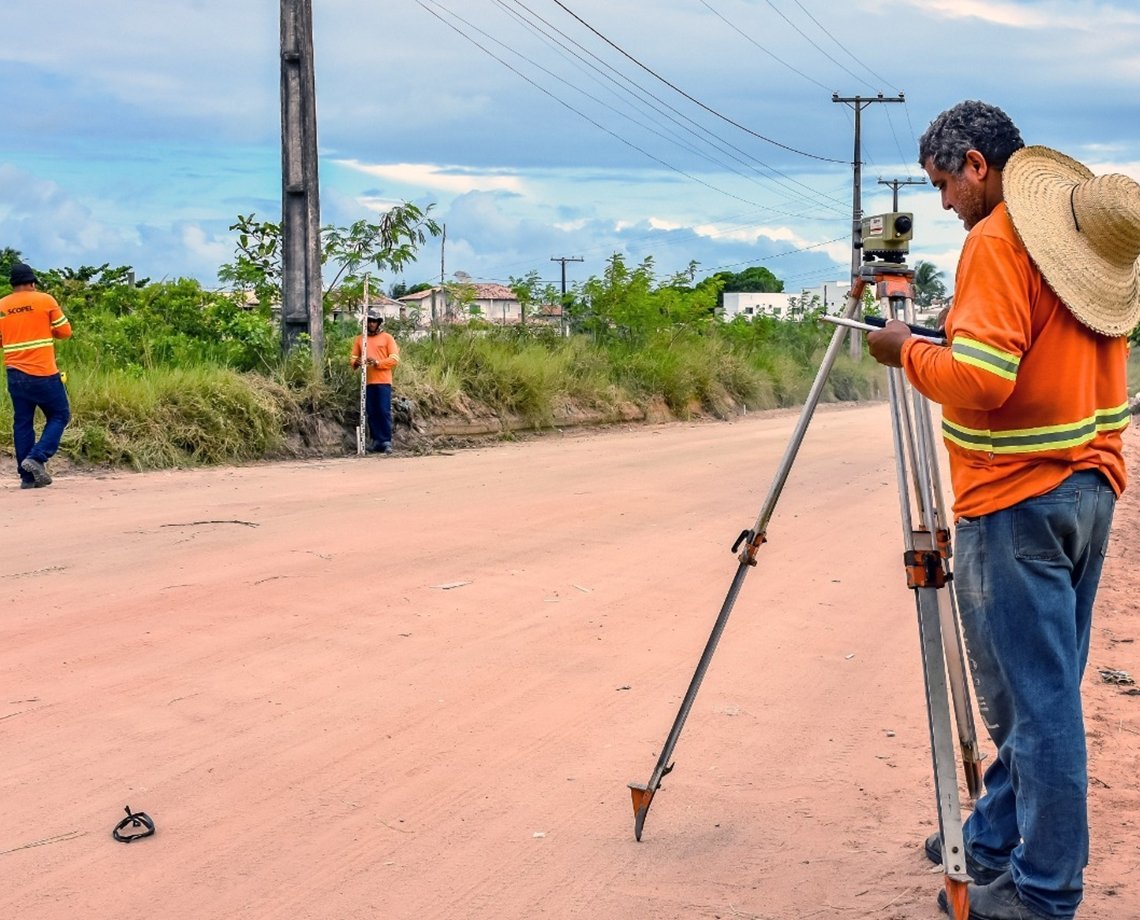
(1082, 231)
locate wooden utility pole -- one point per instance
(301, 286)
(858, 103)
(895, 183)
(563, 323)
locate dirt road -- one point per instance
(416, 687)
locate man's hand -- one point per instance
(886, 344)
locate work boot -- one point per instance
(386, 447)
(983, 875)
(40, 476)
(998, 900)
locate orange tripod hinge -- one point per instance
(924, 569)
(642, 796)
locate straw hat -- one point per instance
(1082, 231)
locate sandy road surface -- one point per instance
(417, 687)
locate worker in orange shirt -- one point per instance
(1034, 401)
(380, 354)
(30, 322)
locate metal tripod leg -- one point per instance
(752, 540)
(932, 510)
(926, 555)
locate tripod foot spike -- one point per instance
(642, 796)
(957, 899)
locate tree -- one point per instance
(387, 244)
(531, 292)
(928, 286)
(754, 279)
(8, 258)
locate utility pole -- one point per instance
(562, 313)
(858, 103)
(301, 287)
(895, 183)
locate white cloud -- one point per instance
(1060, 15)
(450, 179)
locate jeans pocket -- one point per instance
(1040, 525)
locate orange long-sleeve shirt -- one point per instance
(30, 322)
(382, 349)
(1029, 394)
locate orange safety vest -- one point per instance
(1029, 394)
(30, 321)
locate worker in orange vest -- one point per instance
(380, 354)
(30, 322)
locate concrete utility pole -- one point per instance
(895, 183)
(858, 103)
(301, 287)
(565, 327)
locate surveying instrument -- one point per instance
(926, 552)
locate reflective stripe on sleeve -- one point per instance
(978, 354)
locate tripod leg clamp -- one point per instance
(925, 569)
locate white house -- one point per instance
(753, 303)
(831, 296)
(495, 303)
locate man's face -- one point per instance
(373, 326)
(964, 192)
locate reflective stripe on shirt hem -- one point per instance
(1029, 440)
(28, 346)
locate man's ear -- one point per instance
(976, 164)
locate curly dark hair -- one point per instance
(969, 125)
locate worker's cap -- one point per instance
(22, 274)
(375, 315)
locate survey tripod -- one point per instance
(926, 561)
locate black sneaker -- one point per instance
(40, 476)
(983, 875)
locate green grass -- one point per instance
(163, 417)
(172, 418)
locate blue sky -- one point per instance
(135, 133)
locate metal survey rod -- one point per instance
(752, 540)
(919, 332)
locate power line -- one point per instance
(705, 136)
(693, 100)
(586, 117)
(842, 46)
(770, 54)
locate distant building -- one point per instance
(389, 308)
(831, 296)
(495, 303)
(754, 303)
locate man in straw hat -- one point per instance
(1034, 395)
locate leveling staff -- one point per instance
(1034, 395)
(30, 322)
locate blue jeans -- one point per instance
(378, 407)
(1026, 578)
(28, 393)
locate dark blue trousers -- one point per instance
(29, 393)
(378, 407)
